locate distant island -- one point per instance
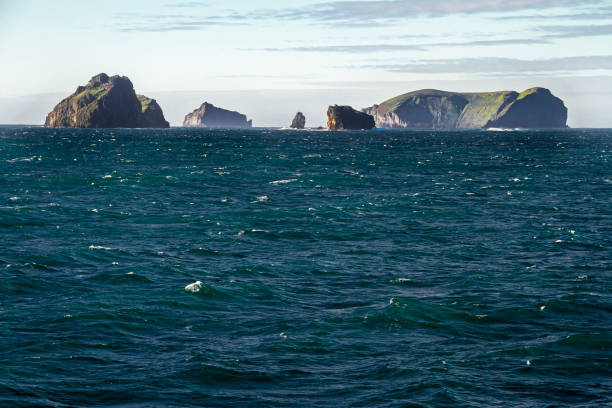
(341, 117)
(210, 116)
(111, 102)
(433, 109)
(107, 102)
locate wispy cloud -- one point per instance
(171, 22)
(357, 49)
(188, 4)
(394, 10)
(174, 26)
(368, 13)
(577, 31)
(498, 65)
(596, 13)
(374, 48)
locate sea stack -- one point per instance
(299, 121)
(107, 102)
(433, 109)
(347, 118)
(209, 116)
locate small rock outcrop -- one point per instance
(347, 118)
(210, 116)
(107, 102)
(299, 121)
(433, 109)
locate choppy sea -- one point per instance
(179, 268)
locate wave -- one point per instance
(284, 181)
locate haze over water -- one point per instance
(189, 267)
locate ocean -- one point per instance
(248, 268)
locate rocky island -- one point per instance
(299, 121)
(347, 118)
(433, 109)
(107, 102)
(209, 116)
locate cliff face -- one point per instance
(106, 102)
(299, 121)
(347, 118)
(210, 116)
(432, 109)
(534, 108)
(152, 115)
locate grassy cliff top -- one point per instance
(530, 91)
(97, 92)
(480, 98)
(144, 102)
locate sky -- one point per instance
(270, 59)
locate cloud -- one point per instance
(188, 4)
(577, 31)
(358, 14)
(174, 26)
(395, 10)
(135, 22)
(498, 65)
(357, 49)
(598, 13)
(372, 48)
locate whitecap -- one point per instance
(23, 159)
(262, 198)
(283, 181)
(194, 287)
(100, 247)
(107, 176)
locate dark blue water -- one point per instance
(365, 269)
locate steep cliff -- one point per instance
(433, 109)
(347, 118)
(152, 115)
(210, 116)
(106, 102)
(533, 108)
(299, 121)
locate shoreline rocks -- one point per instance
(107, 102)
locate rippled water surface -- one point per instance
(272, 268)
